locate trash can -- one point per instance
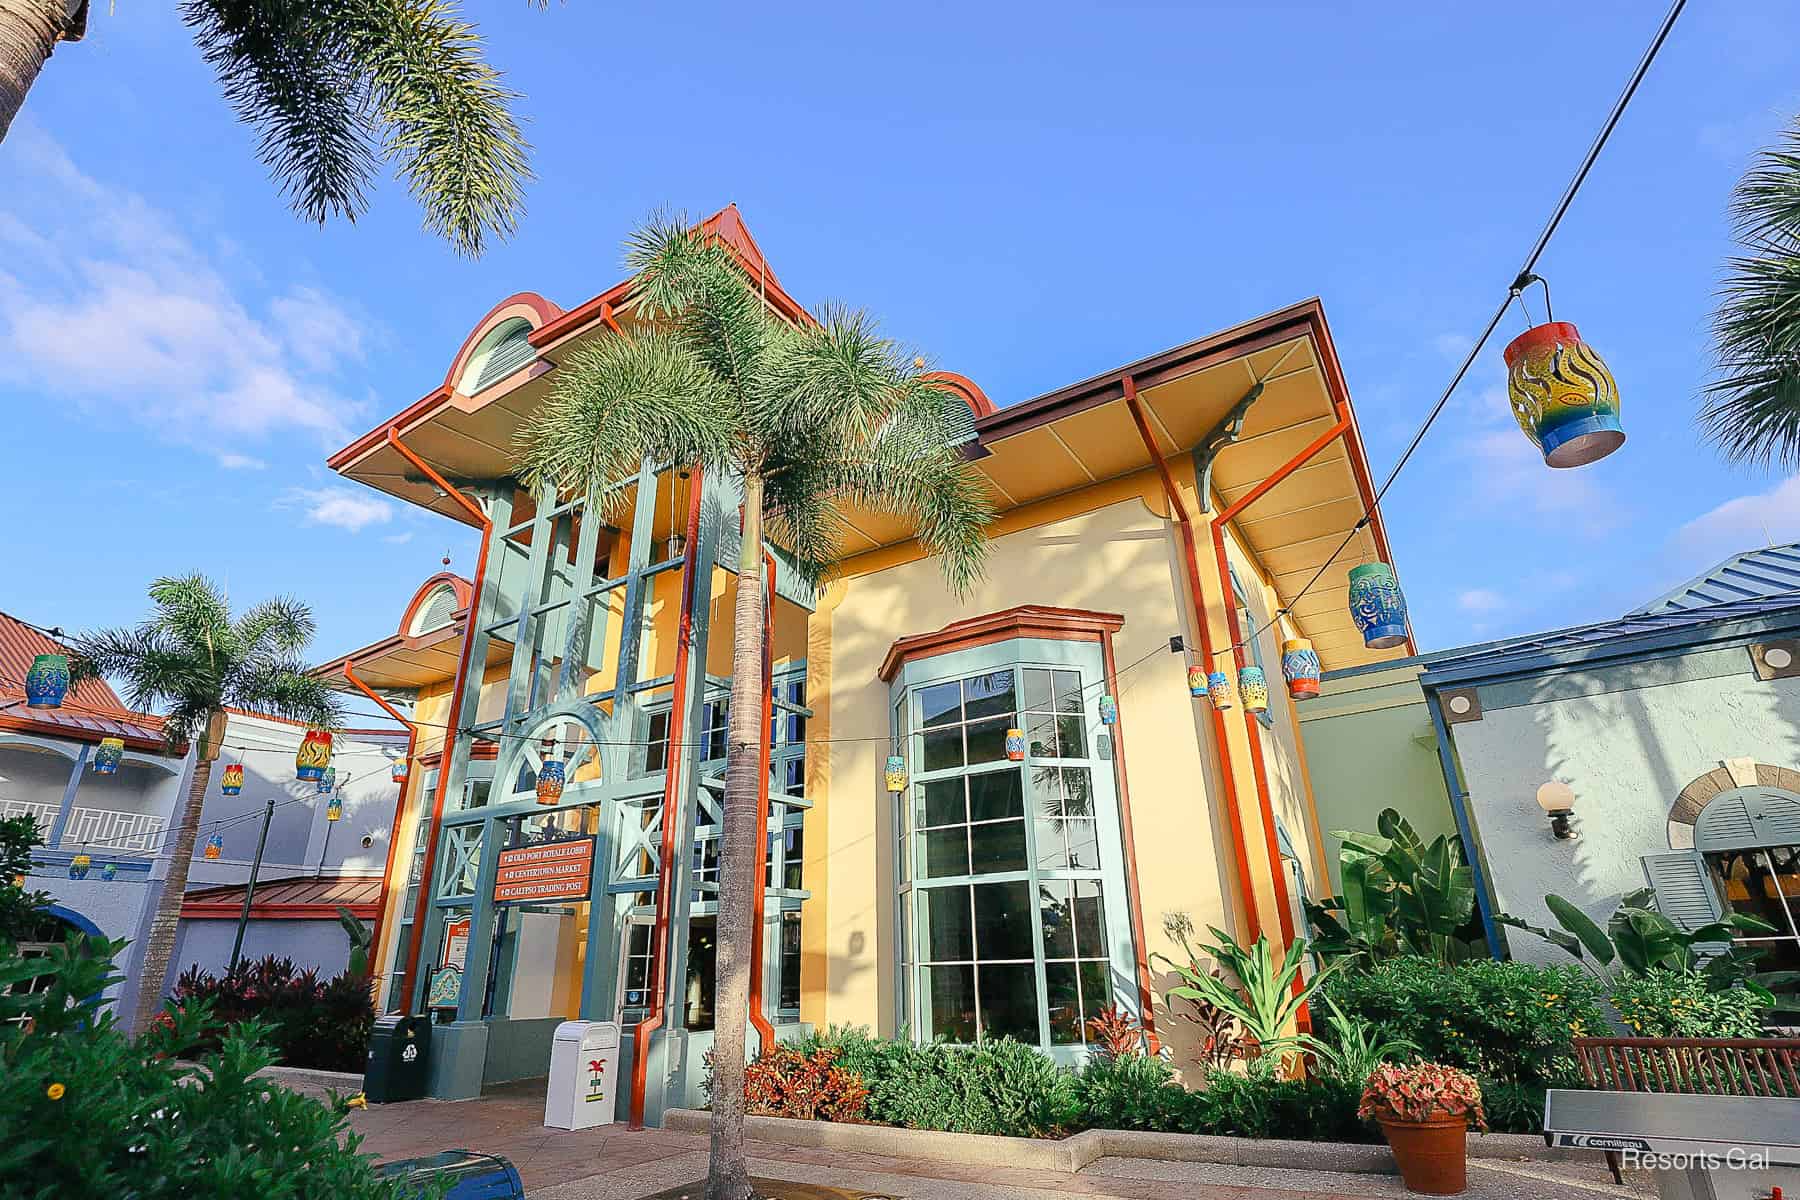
(584, 1063)
(399, 1063)
(468, 1174)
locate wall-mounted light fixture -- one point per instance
(1558, 802)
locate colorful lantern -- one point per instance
(327, 781)
(1377, 606)
(398, 772)
(550, 781)
(1562, 395)
(215, 846)
(1253, 686)
(334, 808)
(1015, 745)
(109, 755)
(47, 681)
(232, 782)
(78, 866)
(896, 773)
(109, 871)
(1300, 667)
(1218, 686)
(1109, 711)
(313, 756)
(1197, 682)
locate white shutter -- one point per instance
(1684, 893)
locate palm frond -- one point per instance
(283, 625)
(190, 607)
(284, 689)
(444, 114)
(276, 64)
(619, 400)
(1752, 406)
(695, 285)
(839, 379)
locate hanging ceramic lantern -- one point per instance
(327, 781)
(1197, 682)
(334, 809)
(1015, 745)
(1562, 395)
(109, 871)
(1377, 606)
(1253, 686)
(550, 781)
(109, 755)
(1300, 667)
(1218, 686)
(896, 773)
(313, 756)
(47, 681)
(78, 866)
(215, 846)
(232, 782)
(398, 772)
(1109, 711)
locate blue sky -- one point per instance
(1031, 193)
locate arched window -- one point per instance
(437, 611)
(504, 350)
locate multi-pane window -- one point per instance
(1763, 882)
(788, 998)
(1003, 892)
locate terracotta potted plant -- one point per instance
(1425, 1109)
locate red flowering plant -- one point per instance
(1114, 1033)
(1420, 1092)
(783, 1082)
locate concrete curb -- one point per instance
(1069, 1155)
(310, 1082)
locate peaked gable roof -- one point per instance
(91, 711)
(1748, 576)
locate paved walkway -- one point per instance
(611, 1163)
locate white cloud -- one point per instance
(1741, 524)
(398, 539)
(105, 301)
(1480, 600)
(345, 508)
(241, 462)
(1508, 473)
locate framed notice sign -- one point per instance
(549, 871)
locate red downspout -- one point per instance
(1146, 1001)
(456, 696)
(640, 1066)
(412, 742)
(1191, 561)
(758, 1017)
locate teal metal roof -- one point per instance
(1751, 575)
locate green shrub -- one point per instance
(1670, 1003)
(312, 1023)
(1513, 1107)
(1318, 1108)
(87, 1111)
(1506, 1022)
(1132, 1092)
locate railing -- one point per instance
(101, 829)
(1701, 1066)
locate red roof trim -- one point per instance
(965, 387)
(544, 310)
(464, 591)
(1022, 621)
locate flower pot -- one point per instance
(1433, 1155)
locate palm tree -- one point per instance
(1753, 405)
(332, 87)
(191, 659)
(810, 416)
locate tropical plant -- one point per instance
(192, 659)
(86, 1110)
(332, 87)
(1399, 895)
(19, 916)
(1666, 1004)
(1114, 1033)
(1132, 1091)
(1317, 1108)
(1266, 999)
(783, 1082)
(361, 938)
(808, 417)
(1421, 1092)
(1218, 1041)
(1351, 1048)
(309, 1021)
(1638, 938)
(1752, 408)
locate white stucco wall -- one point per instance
(1627, 739)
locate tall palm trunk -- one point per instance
(159, 944)
(29, 31)
(740, 864)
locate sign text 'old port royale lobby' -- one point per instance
(1058, 789)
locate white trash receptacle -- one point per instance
(584, 1064)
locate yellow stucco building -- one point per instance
(1160, 516)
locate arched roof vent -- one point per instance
(504, 349)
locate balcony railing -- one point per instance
(94, 828)
(1698, 1066)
